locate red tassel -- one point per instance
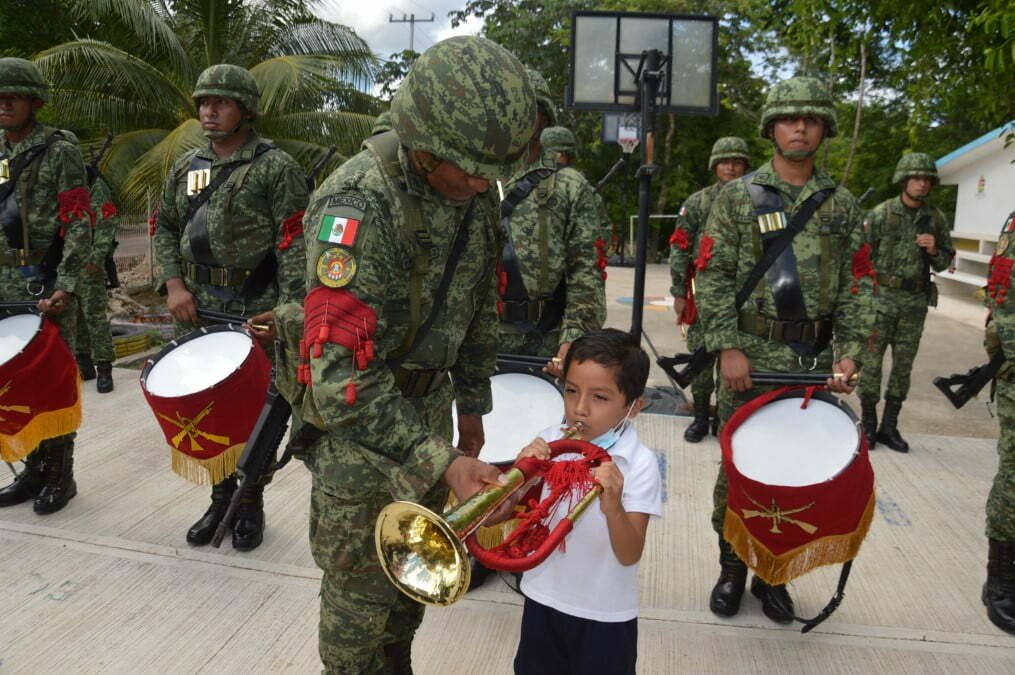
(863, 266)
(704, 252)
(368, 346)
(74, 203)
(153, 222)
(601, 259)
(999, 278)
(350, 394)
(680, 239)
(109, 210)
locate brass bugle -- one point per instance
(424, 554)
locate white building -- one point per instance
(984, 171)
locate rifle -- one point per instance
(959, 388)
(695, 363)
(312, 176)
(257, 465)
(867, 194)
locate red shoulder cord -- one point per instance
(336, 315)
(73, 204)
(680, 238)
(704, 252)
(601, 259)
(863, 266)
(999, 278)
(153, 222)
(292, 227)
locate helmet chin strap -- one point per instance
(794, 154)
(918, 200)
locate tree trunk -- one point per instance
(859, 110)
(671, 130)
(831, 82)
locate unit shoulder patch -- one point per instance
(336, 267)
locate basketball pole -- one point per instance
(648, 85)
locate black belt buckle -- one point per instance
(788, 331)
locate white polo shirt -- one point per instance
(586, 579)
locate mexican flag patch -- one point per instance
(338, 230)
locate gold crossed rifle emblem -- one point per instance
(778, 515)
(23, 409)
(189, 429)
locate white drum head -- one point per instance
(198, 364)
(523, 405)
(15, 334)
(782, 444)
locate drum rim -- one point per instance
(192, 335)
(539, 375)
(35, 334)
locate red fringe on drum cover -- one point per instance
(782, 531)
(40, 390)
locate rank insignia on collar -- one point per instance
(336, 267)
(5, 170)
(197, 180)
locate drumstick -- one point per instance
(812, 379)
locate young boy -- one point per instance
(581, 604)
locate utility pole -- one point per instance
(412, 21)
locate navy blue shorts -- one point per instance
(554, 643)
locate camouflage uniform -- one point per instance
(557, 233)
(94, 339)
(256, 213)
(999, 591)
(683, 250)
(381, 124)
(833, 267)
(904, 292)
(388, 423)
(52, 200)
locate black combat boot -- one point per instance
(726, 594)
(201, 532)
(86, 366)
(889, 433)
(248, 528)
(105, 382)
(398, 658)
(999, 591)
(775, 600)
(28, 483)
(58, 486)
(698, 428)
(869, 418)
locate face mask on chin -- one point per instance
(609, 438)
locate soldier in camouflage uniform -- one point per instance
(730, 159)
(908, 237)
(48, 208)
(999, 590)
(824, 288)
(382, 334)
(552, 277)
(242, 252)
(382, 123)
(95, 352)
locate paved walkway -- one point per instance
(108, 584)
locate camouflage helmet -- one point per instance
(382, 123)
(229, 81)
(468, 101)
(558, 139)
(18, 76)
(915, 164)
(795, 97)
(543, 96)
(729, 147)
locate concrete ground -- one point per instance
(108, 584)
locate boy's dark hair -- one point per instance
(616, 349)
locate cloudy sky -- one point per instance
(370, 21)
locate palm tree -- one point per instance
(134, 75)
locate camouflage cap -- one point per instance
(467, 100)
(558, 139)
(915, 164)
(543, 96)
(729, 147)
(18, 76)
(795, 97)
(229, 81)
(382, 123)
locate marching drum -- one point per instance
(40, 391)
(207, 389)
(801, 487)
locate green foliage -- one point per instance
(130, 68)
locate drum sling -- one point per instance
(206, 267)
(779, 264)
(527, 315)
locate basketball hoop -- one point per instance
(627, 139)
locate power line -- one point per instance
(412, 21)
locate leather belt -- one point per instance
(894, 281)
(803, 332)
(418, 383)
(522, 310)
(216, 276)
(19, 257)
